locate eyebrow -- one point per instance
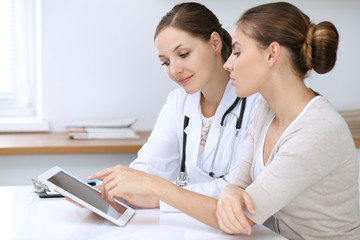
(234, 44)
(176, 48)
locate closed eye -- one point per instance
(183, 55)
(167, 63)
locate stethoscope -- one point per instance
(183, 177)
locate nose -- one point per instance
(175, 69)
(228, 65)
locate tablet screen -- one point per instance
(87, 194)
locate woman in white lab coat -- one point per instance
(193, 47)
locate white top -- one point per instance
(162, 153)
(259, 161)
(206, 123)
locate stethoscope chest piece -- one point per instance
(182, 179)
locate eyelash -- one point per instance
(183, 55)
(236, 53)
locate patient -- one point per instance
(300, 164)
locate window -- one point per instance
(19, 66)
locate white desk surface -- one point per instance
(23, 215)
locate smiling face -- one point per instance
(247, 64)
(189, 61)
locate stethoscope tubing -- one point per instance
(237, 129)
(183, 173)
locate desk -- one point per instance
(59, 143)
(26, 216)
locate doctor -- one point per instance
(187, 140)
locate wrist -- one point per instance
(151, 183)
(156, 186)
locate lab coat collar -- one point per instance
(192, 109)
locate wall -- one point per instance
(99, 60)
(18, 170)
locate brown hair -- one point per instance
(198, 21)
(311, 46)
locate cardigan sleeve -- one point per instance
(300, 159)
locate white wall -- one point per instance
(99, 60)
(18, 170)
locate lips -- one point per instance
(184, 80)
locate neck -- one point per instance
(212, 94)
(287, 97)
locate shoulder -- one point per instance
(321, 129)
(322, 116)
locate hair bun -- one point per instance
(324, 45)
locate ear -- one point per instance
(273, 52)
(215, 42)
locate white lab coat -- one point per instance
(161, 155)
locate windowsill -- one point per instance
(59, 143)
(13, 125)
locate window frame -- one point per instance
(23, 112)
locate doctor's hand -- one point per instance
(129, 184)
(230, 212)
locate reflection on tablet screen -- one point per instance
(86, 193)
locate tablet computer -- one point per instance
(86, 195)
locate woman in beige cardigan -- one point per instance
(300, 163)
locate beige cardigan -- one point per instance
(310, 183)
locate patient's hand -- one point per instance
(230, 212)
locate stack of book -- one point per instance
(121, 129)
(352, 119)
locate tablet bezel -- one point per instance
(124, 218)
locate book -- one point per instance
(123, 123)
(125, 133)
(352, 118)
(102, 130)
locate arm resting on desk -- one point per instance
(121, 180)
